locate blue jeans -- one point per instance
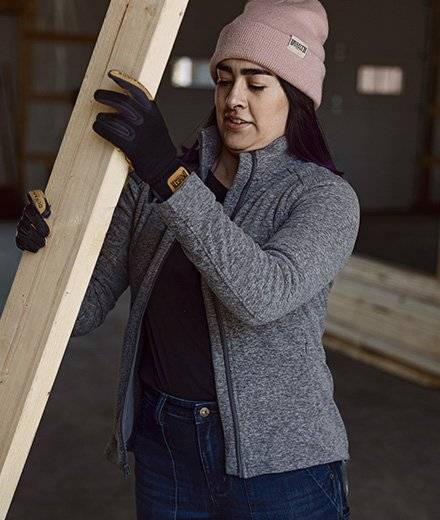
(178, 447)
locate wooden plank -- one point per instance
(385, 315)
(391, 312)
(87, 179)
(399, 279)
(392, 366)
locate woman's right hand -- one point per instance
(32, 228)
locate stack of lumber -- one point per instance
(387, 316)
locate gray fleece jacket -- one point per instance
(268, 257)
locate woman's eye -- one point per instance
(253, 87)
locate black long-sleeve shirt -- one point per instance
(176, 353)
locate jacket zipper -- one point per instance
(240, 464)
(222, 335)
(245, 189)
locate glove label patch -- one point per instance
(177, 178)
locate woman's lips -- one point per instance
(236, 126)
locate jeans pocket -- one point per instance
(325, 476)
(331, 479)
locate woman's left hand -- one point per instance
(139, 131)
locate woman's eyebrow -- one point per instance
(245, 71)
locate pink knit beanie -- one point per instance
(284, 36)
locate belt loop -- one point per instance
(159, 405)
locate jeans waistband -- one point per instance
(173, 404)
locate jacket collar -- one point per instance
(275, 152)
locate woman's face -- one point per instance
(252, 93)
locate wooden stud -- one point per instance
(137, 37)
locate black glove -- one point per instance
(139, 131)
(32, 228)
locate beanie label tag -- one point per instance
(297, 46)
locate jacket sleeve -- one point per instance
(260, 284)
(110, 275)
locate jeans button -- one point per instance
(204, 412)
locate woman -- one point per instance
(230, 252)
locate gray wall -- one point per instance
(373, 138)
(54, 68)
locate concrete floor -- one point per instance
(393, 428)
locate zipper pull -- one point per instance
(127, 471)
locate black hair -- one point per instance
(304, 135)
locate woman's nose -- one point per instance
(236, 96)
